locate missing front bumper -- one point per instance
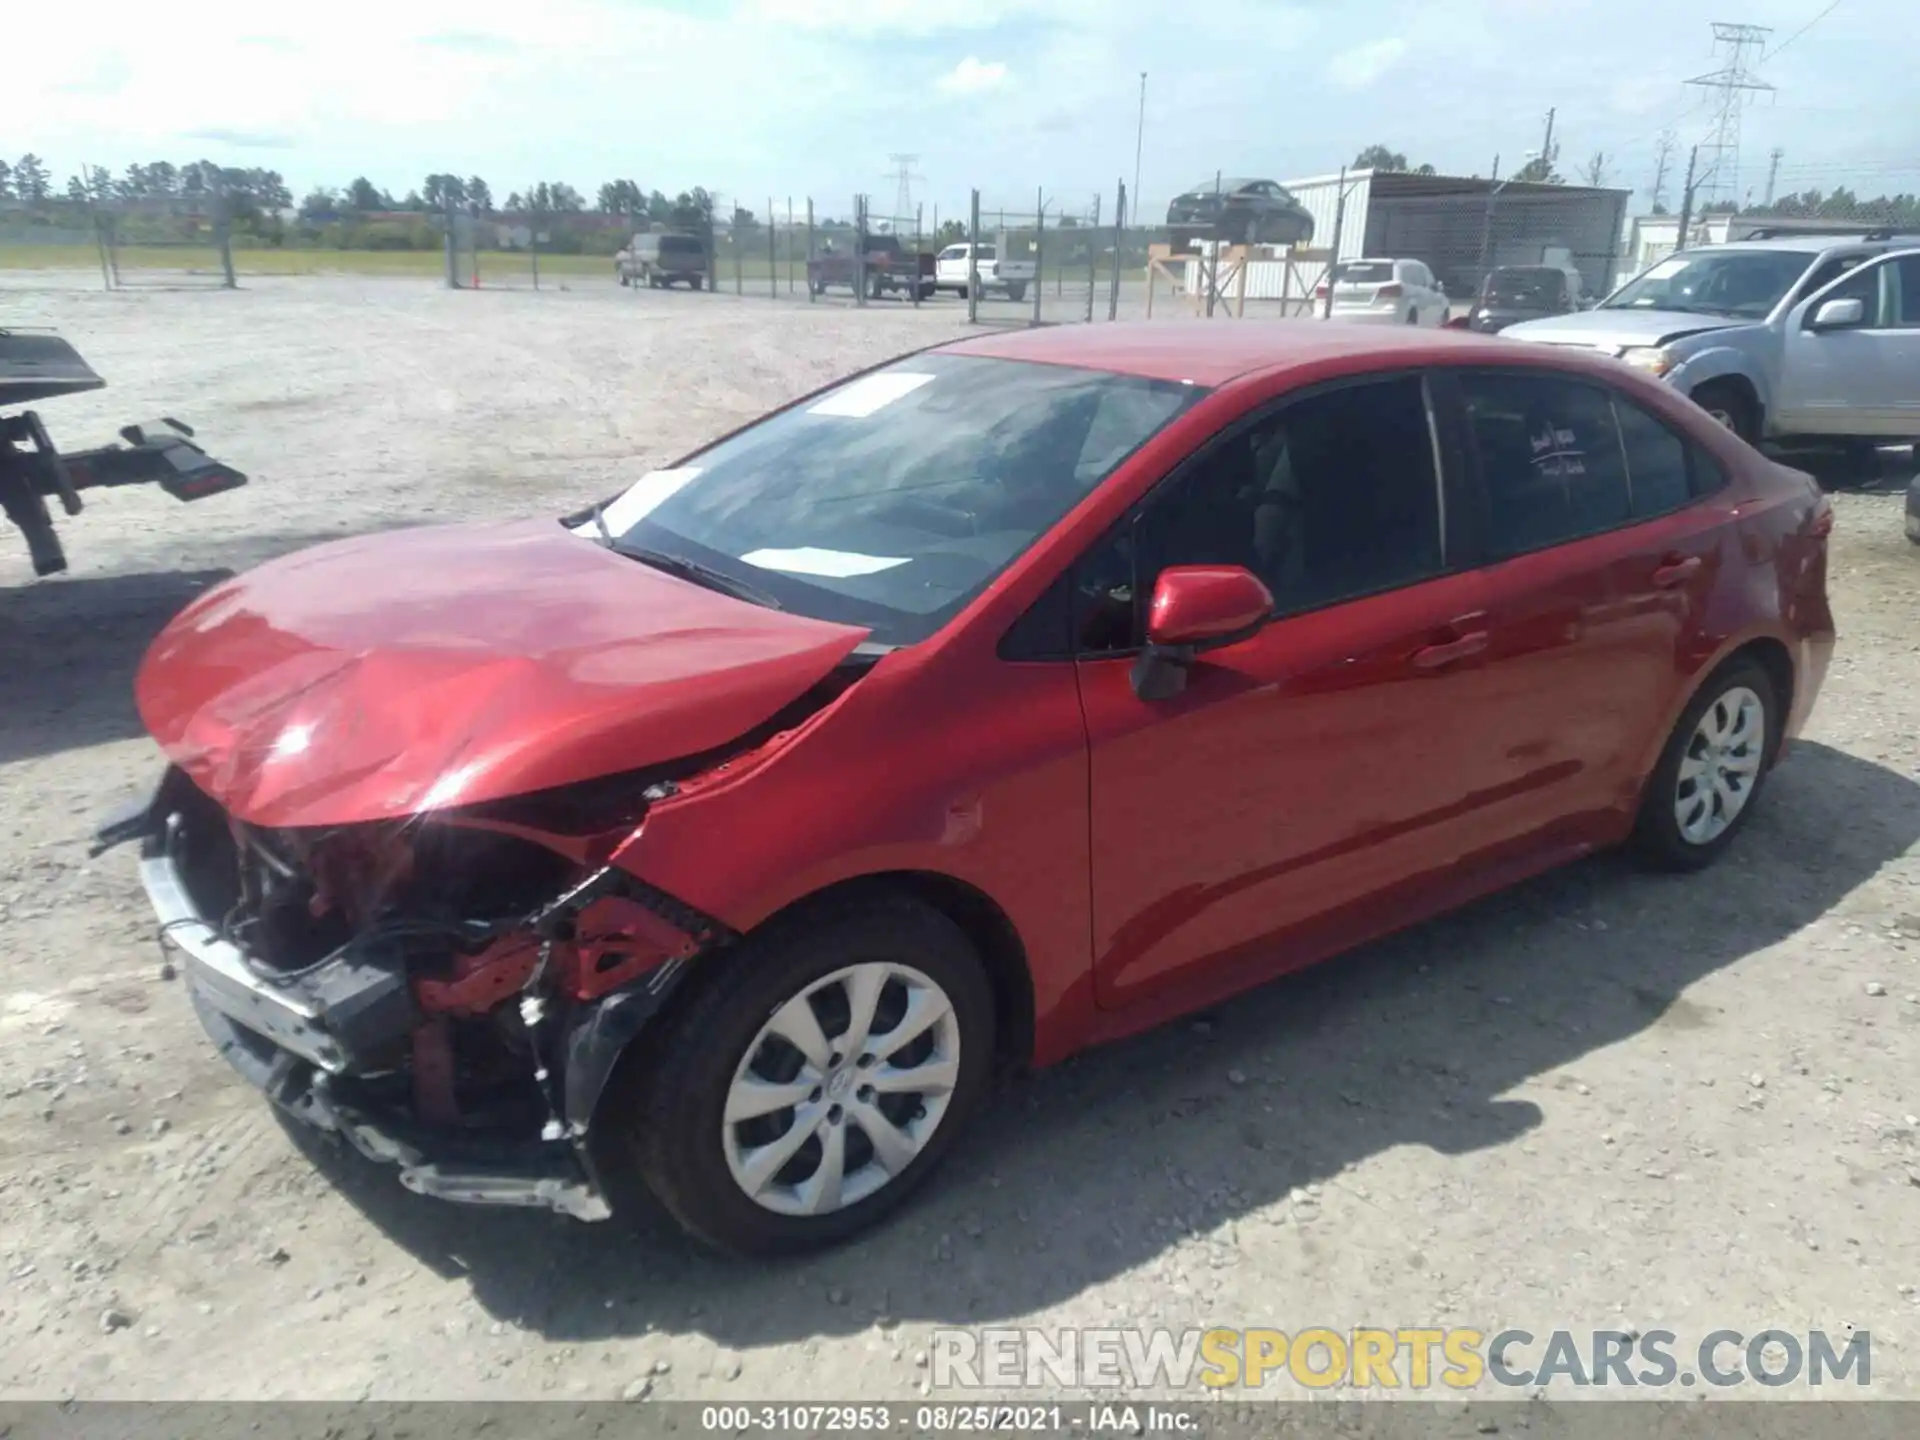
(469, 1170)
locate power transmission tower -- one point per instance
(1739, 48)
(1773, 171)
(903, 178)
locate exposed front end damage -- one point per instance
(448, 994)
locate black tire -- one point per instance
(696, 282)
(661, 1124)
(1413, 316)
(1657, 837)
(1017, 291)
(1732, 406)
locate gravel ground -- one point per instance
(1601, 1100)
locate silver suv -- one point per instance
(1779, 338)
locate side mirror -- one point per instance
(1196, 608)
(1839, 315)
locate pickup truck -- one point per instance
(996, 276)
(889, 267)
(1782, 338)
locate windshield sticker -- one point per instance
(639, 500)
(830, 564)
(863, 397)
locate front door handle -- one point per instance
(1435, 657)
(1676, 570)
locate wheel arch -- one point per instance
(981, 919)
(1723, 368)
(1773, 656)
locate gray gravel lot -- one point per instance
(1602, 1100)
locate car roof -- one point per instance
(1226, 183)
(1211, 353)
(1802, 244)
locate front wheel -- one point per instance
(1730, 405)
(817, 1077)
(1413, 316)
(1710, 773)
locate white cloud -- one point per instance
(972, 76)
(893, 17)
(1359, 67)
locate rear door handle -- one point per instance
(1433, 657)
(1676, 570)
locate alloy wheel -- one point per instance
(1720, 766)
(841, 1089)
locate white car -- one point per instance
(1386, 292)
(996, 276)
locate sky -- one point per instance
(771, 99)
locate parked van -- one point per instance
(660, 260)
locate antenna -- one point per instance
(1738, 46)
(903, 177)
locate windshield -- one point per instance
(679, 245)
(893, 499)
(1725, 282)
(1526, 287)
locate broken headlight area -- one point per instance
(447, 996)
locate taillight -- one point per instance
(1319, 292)
(1822, 521)
(1392, 291)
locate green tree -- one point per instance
(441, 191)
(365, 197)
(76, 190)
(621, 197)
(320, 205)
(479, 194)
(6, 181)
(31, 181)
(1379, 157)
(564, 199)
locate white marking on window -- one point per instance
(863, 397)
(831, 564)
(638, 501)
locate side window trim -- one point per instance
(1449, 462)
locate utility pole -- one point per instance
(1546, 147)
(1686, 200)
(1773, 172)
(1662, 162)
(1486, 227)
(1139, 136)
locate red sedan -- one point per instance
(717, 842)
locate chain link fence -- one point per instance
(998, 257)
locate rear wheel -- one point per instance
(1413, 315)
(1017, 291)
(1710, 774)
(813, 1082)
(1732, 406)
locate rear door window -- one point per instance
(1657, 464)
(1550, 459)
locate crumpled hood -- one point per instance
(382, 676)
(1615, 330)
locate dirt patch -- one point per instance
(1603, 1100)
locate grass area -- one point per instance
(426, 264)
(752, 274)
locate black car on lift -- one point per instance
(1242, 212)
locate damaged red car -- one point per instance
(716, 844)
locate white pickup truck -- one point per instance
(997, 277)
